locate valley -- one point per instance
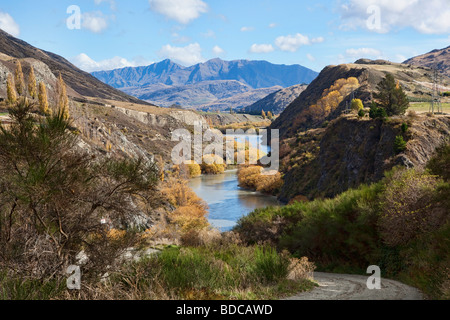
(89, 176)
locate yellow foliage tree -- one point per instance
(63, 100)
(10, 90)
(43, 100)
(330, 101)
(263, 114)
(213, 164)
(19, 79)
(32, 89)
(357, 105)
(191, 211)
(194, 169)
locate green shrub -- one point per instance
(399, 144)
(269, 265)
(377, 112)
(361, 113)
(405, 127)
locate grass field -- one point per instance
(425, 107)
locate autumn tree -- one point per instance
(32, 89)
(269, 115)
(391, 96)
(43, 100)
(263, 114)
(63, 100)
(10, 90)
(19, 79)
(357, 105)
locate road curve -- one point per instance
(353, 287)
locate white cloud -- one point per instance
(84, 62)
(272, 25)
(426, 16)
(182, 11)
(188, 55)
(218, 50)
(8, 24)
(311, 57)
(317, 40)
(94, 21)
(112, 3)
(209, 34)
(400, 58)
(247, 29)
(292, 42)
(363, 53)
(261, 48)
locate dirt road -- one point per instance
(353, 287)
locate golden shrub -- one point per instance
(194, 169)
(300, 269)
(213, 164)
(191, 211)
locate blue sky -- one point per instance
(119, 33)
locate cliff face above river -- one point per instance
(353, 151)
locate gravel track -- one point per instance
(353, 287)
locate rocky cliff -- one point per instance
(353, 151)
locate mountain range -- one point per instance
(208, 85)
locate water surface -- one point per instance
(227, 201)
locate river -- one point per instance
(226, 200)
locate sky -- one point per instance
(108, 34)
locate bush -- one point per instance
(269, 265)
(254, 178)
(52, 197)
(405, 127)
(361, 113)
(399, 144)
(357, 105)
(377, 112)
(213, 164)
(408, 207)
(440, 163)
(194, 169)
(191, 211)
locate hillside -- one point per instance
(206, 86)
(207, 95)
(350, 151)
(275, 102)
(415, 81)
(439, 59)
(81, 82)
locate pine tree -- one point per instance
(391, 96)
(19, 79)
(63, 100)
(43, 101)
(32, 89)
(10, 90)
